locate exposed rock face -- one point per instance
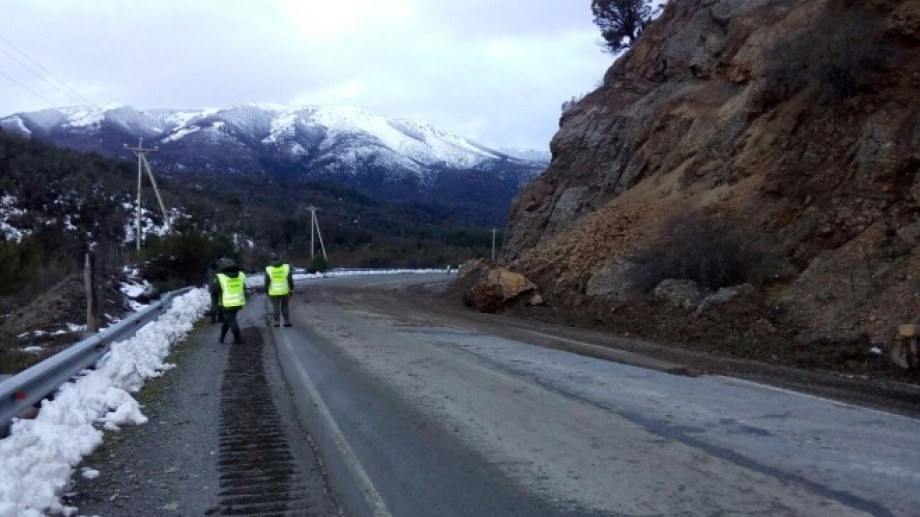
(762, 112)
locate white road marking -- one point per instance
(374, 499)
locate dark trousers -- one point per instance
(280, 308)
(217, 312)
(230, 324)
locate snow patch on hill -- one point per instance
(339, 139)
(80, 118)
(15, 125)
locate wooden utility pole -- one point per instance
(142, 163)
(314, 224)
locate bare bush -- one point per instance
(711, 252)
(836, 57)
(569, 104)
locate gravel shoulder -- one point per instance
(147, 470)
(175, 464)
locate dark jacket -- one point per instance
(290, 277)
(212, 277)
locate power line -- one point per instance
(40, 96)
(76, 95)
(61, 85)
(43, 78)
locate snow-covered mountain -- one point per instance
(342, 143)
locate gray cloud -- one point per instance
(493, 71)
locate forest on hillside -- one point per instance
(58, 204)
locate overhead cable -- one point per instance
(58, 83)
(40, 96)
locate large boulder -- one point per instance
(614, 279)
(745, 293)
(498, 287)
(673, 292)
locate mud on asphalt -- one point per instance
(879, 393)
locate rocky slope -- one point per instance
(791, 123)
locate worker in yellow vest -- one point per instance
(279, 284)
(231, 287)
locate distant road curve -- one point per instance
(418, 411)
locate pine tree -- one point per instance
(621, 21)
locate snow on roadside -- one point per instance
(37, 459)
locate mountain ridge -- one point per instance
(389, 159)
(290, 131)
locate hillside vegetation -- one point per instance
(56, 205)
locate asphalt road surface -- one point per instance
(382, 402)
(419, 412)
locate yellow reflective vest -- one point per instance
(279, 280)
(233, 290)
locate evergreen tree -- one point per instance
(621, 21)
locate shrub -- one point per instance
(569, 104)
(853, 50)
(318, 265)
(711, 252)
(18, 263)
(180, 260)
(836, 57)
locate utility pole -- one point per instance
(493, 244)
(142, 163)
(314, 224)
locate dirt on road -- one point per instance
(435, 300)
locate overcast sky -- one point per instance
(493, 70)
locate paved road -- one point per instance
(416, 412)
(377, 403)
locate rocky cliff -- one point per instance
(792, 124)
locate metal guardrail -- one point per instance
(35, 383)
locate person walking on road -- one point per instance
(231, 289)
(217, 314)
(279, 284)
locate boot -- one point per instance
(275, 324)
(287, 324)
